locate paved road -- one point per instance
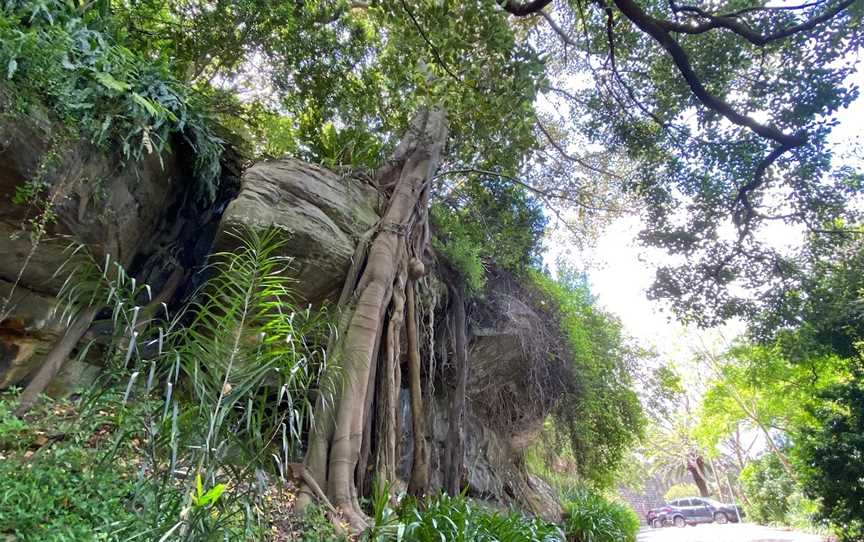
(711, 532)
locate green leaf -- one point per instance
(108, 81)
(212, 495)
(147, 104)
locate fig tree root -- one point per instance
(454, 449)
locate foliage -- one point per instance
(65, 497)
(591, 517)
(67, 58)
(676, 130)
(487, 222)
(796, 383)
(60, 491)
(601, 417)
(768, 489)
(207, 399)
(679, 491)
(758, 387)
(819, 314)
(829, 457)
(445, 517)
(314, 526)
(238, 370)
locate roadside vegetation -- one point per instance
(775, 419)
(240, 414)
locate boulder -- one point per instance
(143, 214)
(323, 214)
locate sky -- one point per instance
(620, 271)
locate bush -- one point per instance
(600, 417)
(768, 488)
(54, 484)
(67, 59)
(444, 517)
(591, 517)
(830, 455)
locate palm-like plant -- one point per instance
(238, 364)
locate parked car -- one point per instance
(658, 517)
(695, 510)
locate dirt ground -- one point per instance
(711, 532)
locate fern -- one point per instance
(50, 52)
(238, 365)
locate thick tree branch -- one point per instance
(742, 219)
(656, 30)
(520, 9)
(753, 9)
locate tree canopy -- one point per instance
(709, 121)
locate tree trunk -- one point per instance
(334, 448)
(55, 359)
(696, 466)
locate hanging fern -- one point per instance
(55, 54)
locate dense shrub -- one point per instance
(600, 417)
(768, 488)
(65, 496)
(591, 517)
(830, 457)
(54, 54)
(443, 517)
(53, 482)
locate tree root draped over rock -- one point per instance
(336, 444)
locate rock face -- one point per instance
(146, 217)
(323, 214)
(143, 215)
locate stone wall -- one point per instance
(650, 496)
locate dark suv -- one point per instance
(695, 510)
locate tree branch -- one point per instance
(529, 8)
(432, 46)
(558, 30)
(733, 23)
(571, 158)
(654, 28)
